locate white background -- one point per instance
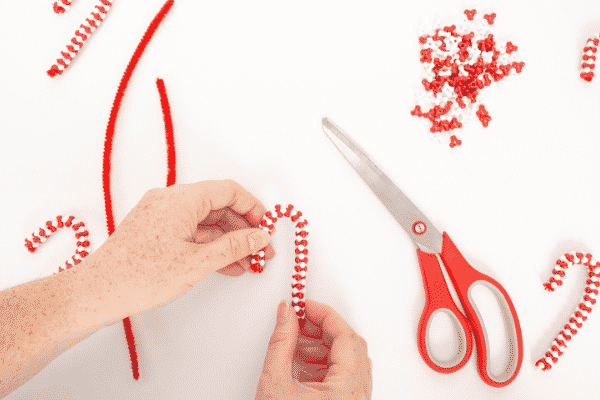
(248, 84)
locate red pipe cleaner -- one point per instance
(61, 6)
(166, 109)
(108, 144)
(589, 57)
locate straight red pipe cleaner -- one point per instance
(108, 144)
(166, 109)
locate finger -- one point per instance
(280, 351)
(231, 270)
(214, 195)
(344, 358)
(229, 248)
(313, 353)
(309, 372)
(327, 318)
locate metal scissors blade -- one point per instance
(408, 215)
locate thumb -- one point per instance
(280, 352)
(232, 247)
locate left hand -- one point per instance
(175, 237)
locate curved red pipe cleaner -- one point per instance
(108, 144)
(166, 109)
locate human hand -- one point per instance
(325, 359)
(175, 237)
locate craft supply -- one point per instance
(582, 311)
(589, 58)
(61, 6)
(81, 234)
(431, 243)
(166, 109)
(81, 35)
(459, 62)
(106, 159)
(257, 260)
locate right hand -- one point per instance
(325, 359)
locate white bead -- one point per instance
(579, 320)
(572, 325)
(252, 261)
(301, 219)
(77, 257)
(301, 247)
(80, 248)
(563, 258)
(594, 279)
(597, 270)
(557, 277)
(261, 253)
(585, 313)
(302, 264)
(548, 360)
(295, 290)
(66, 61)
(262, 263)
(554, 343)
(303, 290)
(303, 274)
(302, 282)
(295, 299)
(553, 285)
(296, 308)
(560, 337)
(592, 295)
(265, 229)
(588, 304)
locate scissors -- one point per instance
(430, 243)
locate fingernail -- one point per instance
(258, 240)
(282, 312)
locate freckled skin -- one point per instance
(169, 242)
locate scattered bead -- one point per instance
(81, 35)
(44, 234)
(257, 260)
(459, 62)
(581, 313)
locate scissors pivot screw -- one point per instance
(419, 228)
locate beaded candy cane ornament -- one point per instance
(299, 277)
(51, 227)
(581, 312)
(589, 57)
(81, 35)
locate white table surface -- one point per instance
(248, 84)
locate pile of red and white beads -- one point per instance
(299, 276)
(81, 234)
(81, 35)
(581, 312)
(61, 6)
(589, 56)
(459, 62)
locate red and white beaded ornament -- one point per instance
(589, 58)
(81, 35)
(299, 277)
(582, 311)
(459, 62)
(61, 6)
(81, 234)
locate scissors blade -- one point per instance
(404, 211)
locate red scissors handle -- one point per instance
(438, 299)
(464, 278)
